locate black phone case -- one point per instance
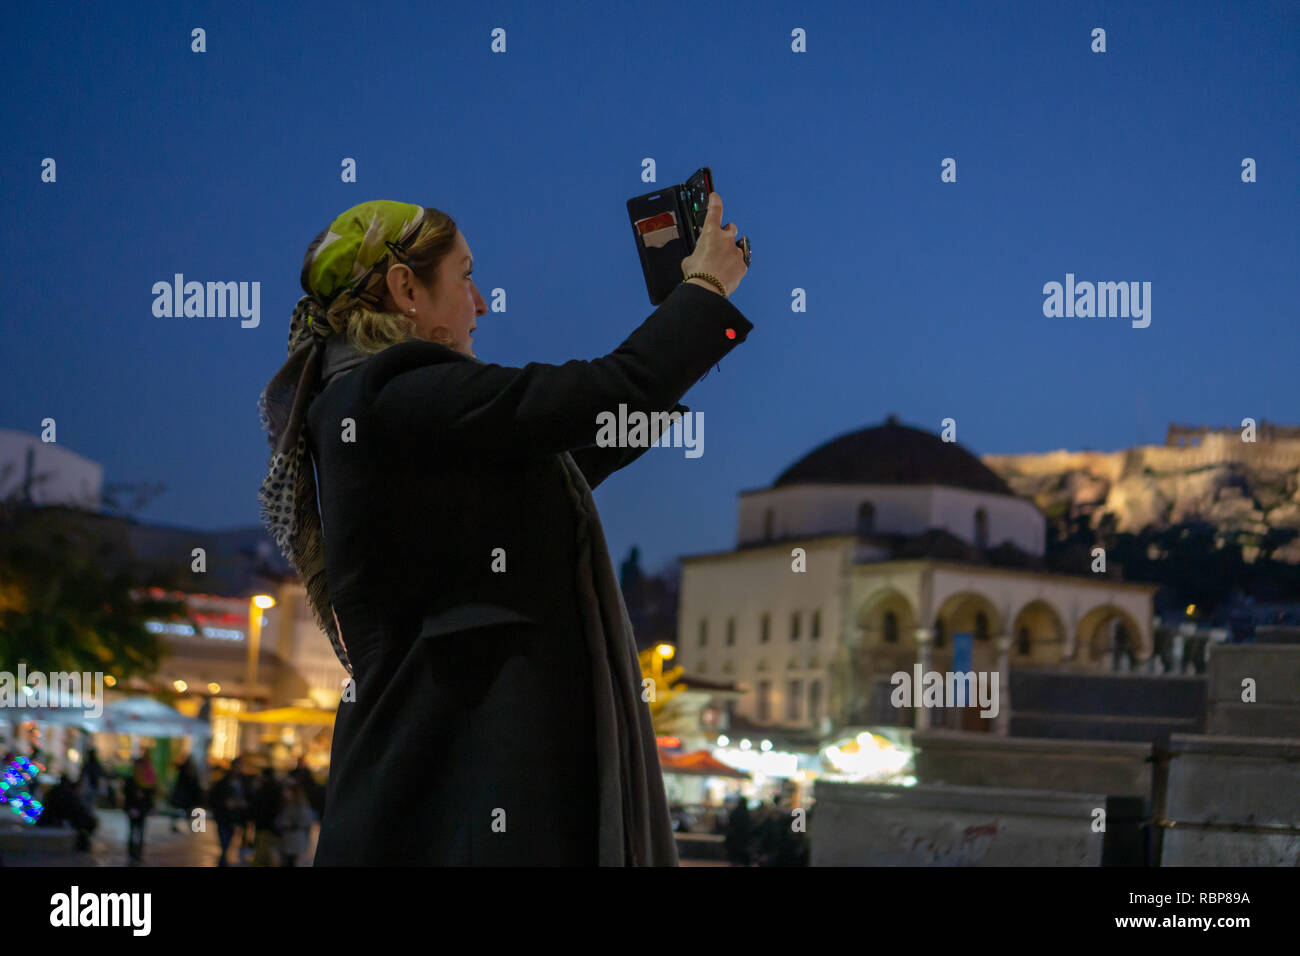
(661, 264)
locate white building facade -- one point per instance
(866, 558)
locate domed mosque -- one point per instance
(882, 550)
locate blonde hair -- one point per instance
(373, 331)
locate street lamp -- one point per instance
(256, 606)
(662, 652)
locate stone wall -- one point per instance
(1232, 801)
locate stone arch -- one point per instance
(1040, 626)
(960, 613)
(1106, 633)
(877, 655)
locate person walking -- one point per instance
(454, 555)
(186, 791)
(266, 805)
(141, 785)
(293, 824)
(740, 834)
(92, 771)
(228, 801)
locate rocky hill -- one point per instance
(1248, 490)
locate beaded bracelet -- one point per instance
(709, 278)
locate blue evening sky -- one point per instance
(924, 298)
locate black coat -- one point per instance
(473, 695)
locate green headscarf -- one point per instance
(349, 255)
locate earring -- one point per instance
(412, 311)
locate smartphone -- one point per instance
(666, 225)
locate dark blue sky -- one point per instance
(924, 298)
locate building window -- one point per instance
(704, 631)
(764, 631)
(939, 635)
(794, 626)
(768, 518)
(817, 624)
(981, 626)
(981, 528)
(891, 627)
(866, 518)
(764, 699)
(731, 631)
(1023, 644)
(815, 700)
(793, 700)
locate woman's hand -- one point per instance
(716, 251)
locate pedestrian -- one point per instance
(294, 825)
(63, 805)
(228, 801)
(92, 771)
(464, 582)
(267, 803)
(306, 781)
(141, 785)
(186, 792)
(740, 833)
(770, 832)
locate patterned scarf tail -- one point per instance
(288, 492)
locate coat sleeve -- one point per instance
(416, 397)
(599, 463)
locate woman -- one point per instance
(493, 715)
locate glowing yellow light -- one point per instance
(666, 651)
(1191, 609)
(214, 687)
(110, 680)
(264, 601)
(180, 686)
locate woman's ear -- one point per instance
(399, 281)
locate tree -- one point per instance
(664, 682)
(72, 595)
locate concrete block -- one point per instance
(876, 825)
(1069, 766)
(1275, 668)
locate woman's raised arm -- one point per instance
(539, 408)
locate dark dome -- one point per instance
(893, 454)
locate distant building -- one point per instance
(908, 541)
(207, 661)
(45, 473)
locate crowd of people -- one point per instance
(272, 817)
(768, 836)
(267, 819)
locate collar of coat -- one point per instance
(341, 356)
